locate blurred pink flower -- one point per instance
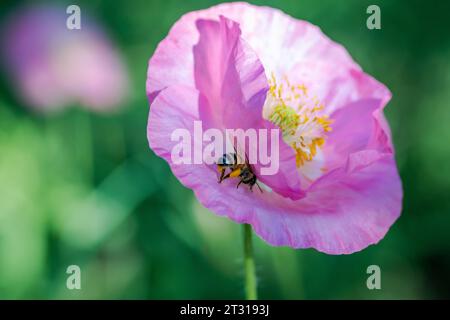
(53, 67)
(241, 66)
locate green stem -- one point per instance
(249, 265)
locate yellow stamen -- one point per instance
(299, 116)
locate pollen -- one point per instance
(300, 116)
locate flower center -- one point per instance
(299, 116)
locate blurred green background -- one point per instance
(79, 187)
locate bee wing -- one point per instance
(239, 154)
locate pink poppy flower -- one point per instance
(53, 67)
(242, 66)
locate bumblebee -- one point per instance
(243, 171)
(227, 161)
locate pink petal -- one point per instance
(300, 51)
(232, 88)
(232, 80)
(356, 127)
(341, 216)
(229, 75)
(285, 46)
